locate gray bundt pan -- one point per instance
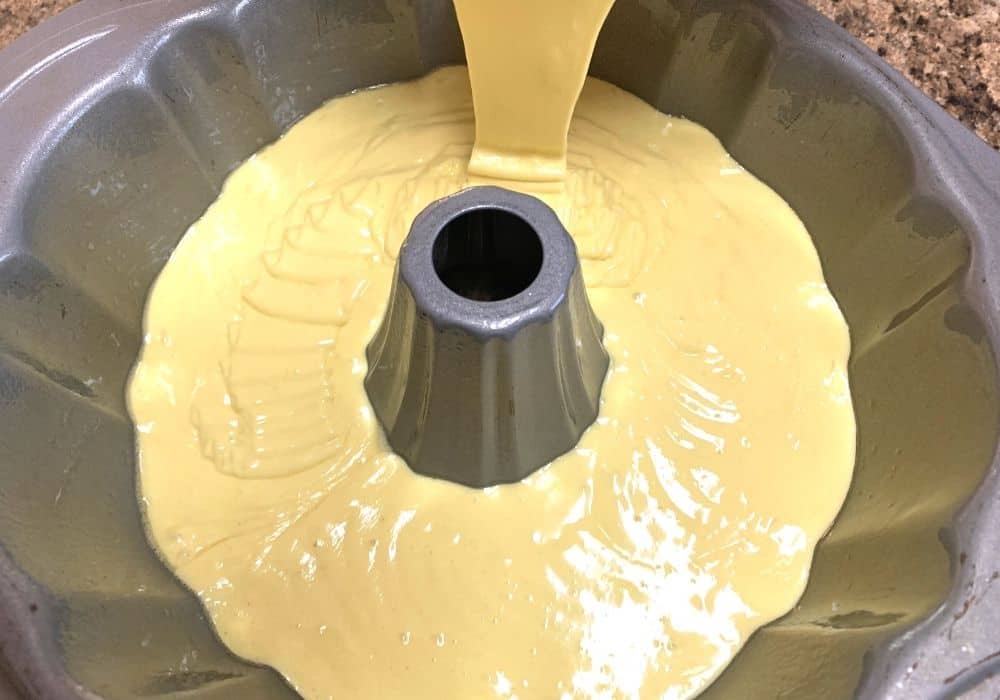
(119, 121)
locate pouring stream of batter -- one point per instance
(527, 63)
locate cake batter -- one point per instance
(527, 63)
(634, 566)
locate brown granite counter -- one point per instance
(950, 48)
(17, 16)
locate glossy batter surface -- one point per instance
(634, 566)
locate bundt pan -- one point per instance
(119, 121)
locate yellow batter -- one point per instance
(634, 566)
(527, 63)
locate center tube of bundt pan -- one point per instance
(489, 362)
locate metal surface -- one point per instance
(119, 121)
(474, 379)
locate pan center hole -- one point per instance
(487, 254)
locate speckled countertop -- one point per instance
(950, 48)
